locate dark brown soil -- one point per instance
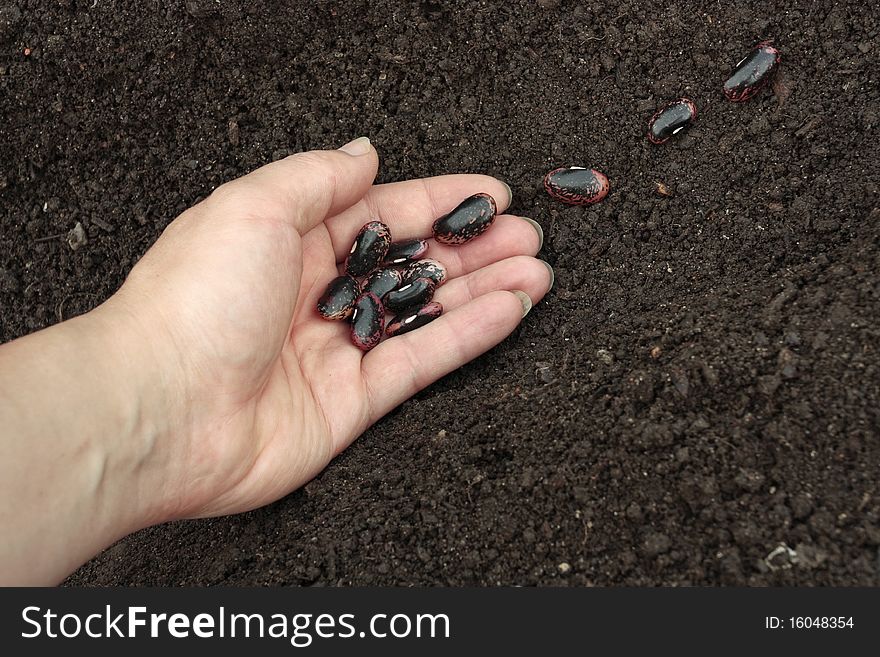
(701, 386)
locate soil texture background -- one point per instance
(697, 401)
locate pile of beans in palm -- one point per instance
(381, 275)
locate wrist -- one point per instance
(142, 398)
(82, 427)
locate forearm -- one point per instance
(79, 464)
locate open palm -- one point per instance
(266, 392)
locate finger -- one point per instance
(532, 276)
(305, 188)
(400, 367)
(509, 236)
(410, 208)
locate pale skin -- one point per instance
(208, 384)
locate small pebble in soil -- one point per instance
(338, 299)
(576, 185)
(76, 237)
(367, 321)
(752, 73)
(471, 218)
(382, 281)
(409, 320)
(671, 119)
(417, 293)
(605, 356)
(369, 249)
(402, 252)
(425, 269)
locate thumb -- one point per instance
(306, 188)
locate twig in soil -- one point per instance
(393, 58)
(59, 311)
(725, 442)
(49, 238)
(103, 225)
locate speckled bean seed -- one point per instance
(338, 299)
(405, 251)
(382, 281)
(417, 293)
(367, 321)
(671, 119)
(368, 250)
(576, 185)
(425, 269)
(412, 318)
(471, 218)
(752, 73)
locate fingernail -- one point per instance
(509, 192)
(552, 273)
(538, 230)
(359, 146)
(524, 300)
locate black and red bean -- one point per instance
(402, 252)
(752, 73)
(671, 119)
(382, 281)
(576, 185)
(338, 299)
(425, 269)
(417, 293)
(369, 249)
(413, 318)
(367, 321)
(469, 219)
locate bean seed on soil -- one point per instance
(337, 302)
(671, 119)
(369, 249)
(576, 185)
(367, 321)
(471, 218)
(406, 251)
(382, 281)
(752, 73)
(413, 318)
(425, 269)
(417, 293)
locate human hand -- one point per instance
(260, 392)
